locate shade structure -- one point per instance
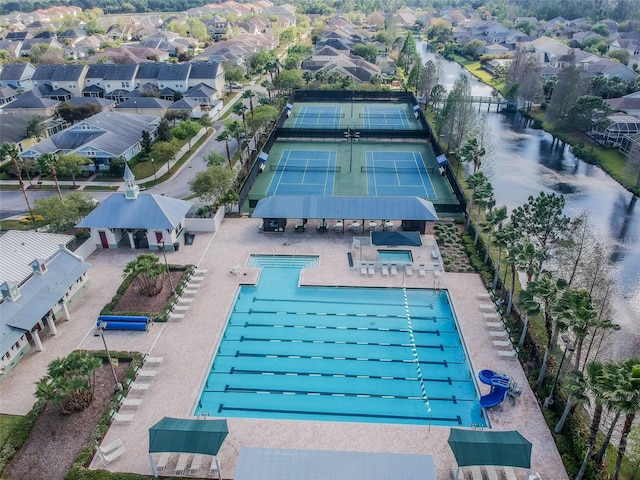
(478, 447)
(409, 239)
(334, 208)
(187, 436)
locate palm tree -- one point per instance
(148, 273)
(492, 221)
(598, 386)
(249, 94)
(473, 153)
(12, 151)
(574, 386)
(320, 76)
(474, 182)
(47, 162)
(224, 136)
(240, 109)
(268, 86)
(502, 235)
(528, 304)
(528, 258)
(483, 199)
(627, 401)
(581, 317)
(546, 290)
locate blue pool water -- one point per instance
(395, 256)
(383, 355)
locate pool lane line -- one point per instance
(239, 354)
(234, 371)
(330, 327)
(310, 414)
(338, 342)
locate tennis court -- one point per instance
(392, 174)
(304, 172)
(311, 116)
(384, 117)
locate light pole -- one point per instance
(568, 347)
(350, 136)
(118, 385)
(164, 254)
(153, 164)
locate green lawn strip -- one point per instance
(6, 225)
(7, 424)
(474, 67)
(112, 188)
(9, 187)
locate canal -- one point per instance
(523, 164)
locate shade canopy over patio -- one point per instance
(180, 435)
(479, 447)
(409, 239)
(338, 208)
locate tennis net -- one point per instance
(383, 114)
(370, 169)
(302, 168)
(318, 115)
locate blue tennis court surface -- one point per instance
(387, 117)
(392, 174)
(304, 172)
(318, 117)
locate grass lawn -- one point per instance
(474, 67)
(7, 424)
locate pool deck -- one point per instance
(187, 345)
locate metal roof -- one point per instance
(384, 208)
(270, 463)
(38, 295)
(18, 249)
(149, 212)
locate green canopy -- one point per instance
(187, 436)
(478, 447)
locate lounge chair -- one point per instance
(196, 463)
(146, 373)
(235, 270)
(476, 473)
(507, 353)
(487, 307)
(394, 270)
(181, 466)
(153, 360)
(363, 269)
(130, 402)
(372, 269)
(408, 270)
(509, 474)
(502, 343)
(498, 333)
(491, 315)
(161, 466)
(111, 452)
(122, 417)
(492, 474)
(385, 269)
(139, 386)
(495, 324)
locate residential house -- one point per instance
(210, 74)
(174, 76)
(8, 94)
(188, 106)
(31, 103)
(386, 64)
(12, 47)
(71, 37)
(149, 106)
(609, 69)
(17, 75)
(137, 220)
(554, 25)
(547, 50)
(101, 138)
(629, 104)
(119, 78)
(13, 126)
(218, 27)
(204, 95)
(60, 82)
(631, 46)
(19, 36)
(27, 45)
(39, 279)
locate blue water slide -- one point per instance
(495, 397)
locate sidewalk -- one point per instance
(81, 184)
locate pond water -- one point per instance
(523, 164)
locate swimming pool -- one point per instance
(395, 256)
(383, 355)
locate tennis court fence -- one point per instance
(303, 168)
(415, 169)
(384, 114)
(318, 115)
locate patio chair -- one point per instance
(363, 269)
(492, 474)
(385, 269)
(509, 473)
(394, 269)
(508, 353)
(476, 473)
(408, 270)
(181, 466)
(122, 417)
(161, 466)
(196, 463)
(372, 269)
(498, 333)
(422, 269)
(130, 402)
(111, 452)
